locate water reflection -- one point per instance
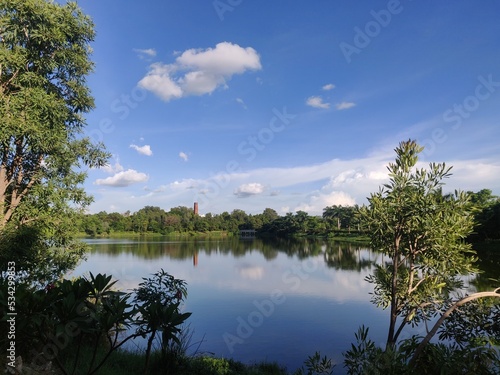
(321, 285)
(336, 254)
(349, 257)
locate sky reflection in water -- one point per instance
(255, 301)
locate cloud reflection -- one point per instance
(250, 272)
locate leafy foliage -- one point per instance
(365, 357)
(488, 215)
(423, 232)
(316, 365)
(44, 61)
(72, 315)
(157, 300)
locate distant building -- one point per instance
(196, 208)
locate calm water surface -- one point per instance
(253, 300)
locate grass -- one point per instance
(132, 363)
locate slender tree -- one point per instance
(422, 231)
(44, 62)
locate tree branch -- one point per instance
(411, 290)
(20, 191)
(432, 332)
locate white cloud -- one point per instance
(110, 168)
(239, 100)
(309, 187)
(328, 87)
(225, 59)
(144, 150)
(344, 105)
(159, 82)
(183, 156)
(123, 178)
(319, 200)
(145, 53)
(317, 102)
(199, 72)
(247, 190)
(347, 177)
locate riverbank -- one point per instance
(172, 235)
(340, 236)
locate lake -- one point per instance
(254, 300)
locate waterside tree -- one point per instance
(422, 232)
(44, 62)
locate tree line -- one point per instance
(153, 219)
(335, 220)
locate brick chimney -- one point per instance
(196, 208)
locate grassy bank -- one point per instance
(130, 363)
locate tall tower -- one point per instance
(196, 208)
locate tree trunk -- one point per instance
(394, 298)
(148, 352)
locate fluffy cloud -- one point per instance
(317, 102)
(199, 72)
(348, 177)
(123, 178)
(328, 87)
(144, 150)
(159, 82)
(319, 200)
(247, 190)
(110, 168)
(183, 156)
(344, 105)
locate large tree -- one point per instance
(44, 63)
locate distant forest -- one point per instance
(335, 220)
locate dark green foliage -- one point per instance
(365, 357)
(476, 324)
(72, 318)
(68, 315)
(157, 300)
(487, 215)
(316, 365)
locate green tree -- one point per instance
(269, 215)
(44, 62)
(488, 215)
(185, 215)
(423, 232)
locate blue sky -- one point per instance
(292, 105)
